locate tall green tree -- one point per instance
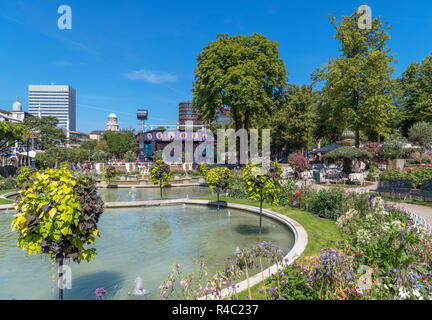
(421, 134)
(120, 142)
(295, 120)
(45, 131)
(358, 88)
(415, 87)
(89, 145)
(243, 73)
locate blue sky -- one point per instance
(124, 55)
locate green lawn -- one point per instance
(322, 233)
(5, 201)
(6, 191)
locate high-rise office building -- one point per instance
(56, 101)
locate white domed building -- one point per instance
(112, 122)
(17, 114)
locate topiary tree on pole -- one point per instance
(109, 173)
(218, 179)
(160, 173)
(57, 214)
(347, 155)
(261, 184)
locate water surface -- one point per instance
(136, 242)
(142, 194)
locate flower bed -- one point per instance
(385, 256)
(418, 174)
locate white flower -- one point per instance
(417, 294)
(403, 293)
(385, 226)
(351, 213)
(397, 224)
(363, 236)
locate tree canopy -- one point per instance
(45, 131)
(295, 120)
(243, 73)
(12, 132)
(358, 88)
(119, 142)
(415, 90)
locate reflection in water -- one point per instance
(142, 194)
(159, 229)
(137, 242)
(251, 229)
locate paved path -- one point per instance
(422, 211)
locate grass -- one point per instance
(2, 192)
(6, 201)
(322, 233)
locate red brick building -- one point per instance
(187, 113)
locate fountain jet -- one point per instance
(139, 289)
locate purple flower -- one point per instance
(370, 200)
(99, 292)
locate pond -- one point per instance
(138, 242)
(142, 194)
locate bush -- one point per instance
(288, 192)
(373, 148)
(373, 173)
(8, 183)
(298, 163)
(100, 156)
(327, 203)
(418, 174)
(130, 156)
(109, 173)
(57, 214)
(203, 169)
(160, 173)
(392, 148)
(258, 181)
(8, 171)
(157, 155)
(237, 188)
(218, 179)
(421, 134)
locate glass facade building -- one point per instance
(54, 100)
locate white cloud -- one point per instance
(152, 76)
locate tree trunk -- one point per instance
(260, 222)
(60, 277)
(357, 137)
(160, 187)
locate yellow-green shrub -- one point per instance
(57, 214)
